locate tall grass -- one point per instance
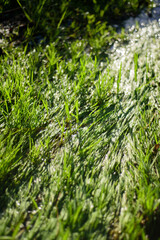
(72, 18)
(76, 161)
(79, 158)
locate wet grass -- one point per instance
(67, 19)
(79, 158)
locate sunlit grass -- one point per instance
(79, 158)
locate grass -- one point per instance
(69, 19)
(79, 159)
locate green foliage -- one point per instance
(73, 159)
(79, 158)
(73, 18)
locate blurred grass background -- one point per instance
(48, 15)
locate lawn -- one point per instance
(79, 158)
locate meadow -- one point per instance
(79, 158)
